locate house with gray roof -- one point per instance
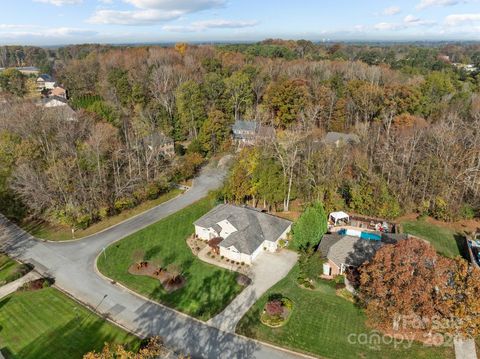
(338, 139)
(248, 132)
(343, 251)
(45, 81)
(245, 231)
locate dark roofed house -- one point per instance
(160, 143)
(45, 81)
(337, 139)
(245, 232)
(244, 132)
(343, 251)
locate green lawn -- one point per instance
(47, 324)
(44, 230)
(208, 288)
(443, 239)
(321, 323)
(10, 270)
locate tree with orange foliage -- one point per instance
(285, 99)
(181, 47)
(403, 281)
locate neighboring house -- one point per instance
(465, 67)
(54, 101)
(246, 133)
(161, 144)
(28, 70)
(59, 105)
(58, 92)
(244, 232)
(342, 251)
(45, 81)
(338, 139)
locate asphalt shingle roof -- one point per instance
(333, 137)
(342, 249)
(253, 227)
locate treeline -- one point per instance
(419, 146)
(77, 172)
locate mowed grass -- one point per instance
(47, 324)
(208, 288)
(45, 230)
(445, 241)
(326, 325)
(9, 269)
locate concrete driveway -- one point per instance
(268, 269)
(72, 264)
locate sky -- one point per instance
(59, 22)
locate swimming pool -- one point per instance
(364, 235)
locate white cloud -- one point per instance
(211, 24)
(136, 17)
(60, 32)
(153, 11)
(409, 21)
(462, 19)
(386, 26)
(13, 26)
(60, 2)
(392, 10)
(428, 3)
(185, 5)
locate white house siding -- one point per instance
(49, 85)
(236, 256)
(227, 228)
(205, 233)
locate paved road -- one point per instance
(268, 269)
(72, 266)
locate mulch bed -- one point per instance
(37, 284)
(165, 278)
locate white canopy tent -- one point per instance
(338, 216)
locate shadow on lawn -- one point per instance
(461, 242)
(202, 299)
(71, 340)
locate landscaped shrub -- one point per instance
(274, 307)
(277, 310)
(467, 212)
(124, 203)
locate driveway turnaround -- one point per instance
(267, 270)
(72, 264)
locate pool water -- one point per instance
(364, 235)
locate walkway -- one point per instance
(12, 287)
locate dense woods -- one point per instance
(417, 118)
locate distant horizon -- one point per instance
(246, 42)
(114, 22)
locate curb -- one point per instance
(108, 228)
